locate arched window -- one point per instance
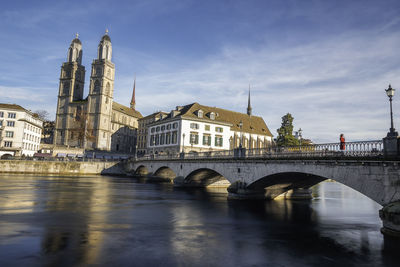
(108, 89)
(96, 88)
(76, 54)
(100, 51)
(76, 92)
(70, 55)
(107, 50)
(66, 88)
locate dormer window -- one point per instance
(212, 116)
(200, 113)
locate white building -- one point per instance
(20, 130)
(198, 128)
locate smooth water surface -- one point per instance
(116, 221)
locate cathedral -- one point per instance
(96, 121)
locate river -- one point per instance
(118, 221)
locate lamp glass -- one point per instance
(390, 92)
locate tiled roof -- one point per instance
(12, 106)
(126, 110)
(251, 124)
(155, 114)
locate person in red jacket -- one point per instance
(342, 142)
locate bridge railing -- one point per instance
(352, 149)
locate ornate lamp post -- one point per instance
(390, 93)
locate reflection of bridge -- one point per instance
(271, 172)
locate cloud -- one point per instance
(330, 86)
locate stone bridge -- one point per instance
(251, 178)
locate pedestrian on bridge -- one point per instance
(342, 142)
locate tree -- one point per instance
(285, 133)
(42, 114)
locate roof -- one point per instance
(106, 37)
(251, 124)
(12, 106)
(126, 110)
(154, 115)
(76, 40)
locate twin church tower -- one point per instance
(94, 122)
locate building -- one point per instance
(199, 128)
(143, 130)
(97, 121)
(20, 130)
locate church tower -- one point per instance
(71, 87)
(100, 99)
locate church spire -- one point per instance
(133, 101)
(248, 104)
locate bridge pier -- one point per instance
(239, 190)
(297, 193)
(390, 216)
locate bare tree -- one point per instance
(42, 114)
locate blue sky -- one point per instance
(325, 62)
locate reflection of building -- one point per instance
(20, 130)
(96, 122)
(143, 130)
(200, 128)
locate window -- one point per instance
(1, 114)
(7, 144)
(207, 140)
(96, 87)
(158, 129)
(153, 130)
(10, 123)
(194, 138)
(200, 113)
(152, 140)
(218, 141)
(168, 138)
(194, 126)
(175, 125)
(9, 134)
(212, 115)
(1, 123)
(219, 129)
(157, 139)
(168, 126)
(207, 127)
(174, 137)
(163, 128)
(162, 139)
(11, 115)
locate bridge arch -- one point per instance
(141, 171)
(203, 177)
(165, 172)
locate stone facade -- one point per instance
(95, 122)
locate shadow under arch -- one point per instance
(165, 172)
(141, 171)
(279, 183)
(203, 177)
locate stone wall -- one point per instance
(61, 167)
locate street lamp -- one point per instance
(300, 137)
(241, 137)
(390, 94)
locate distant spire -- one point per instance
(77, 35)
(133, 102)
(106, 31)
(248, 104)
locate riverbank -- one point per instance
(61, 167)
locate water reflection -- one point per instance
(69, 221)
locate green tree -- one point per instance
(285, 133)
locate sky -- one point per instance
(325, 62)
